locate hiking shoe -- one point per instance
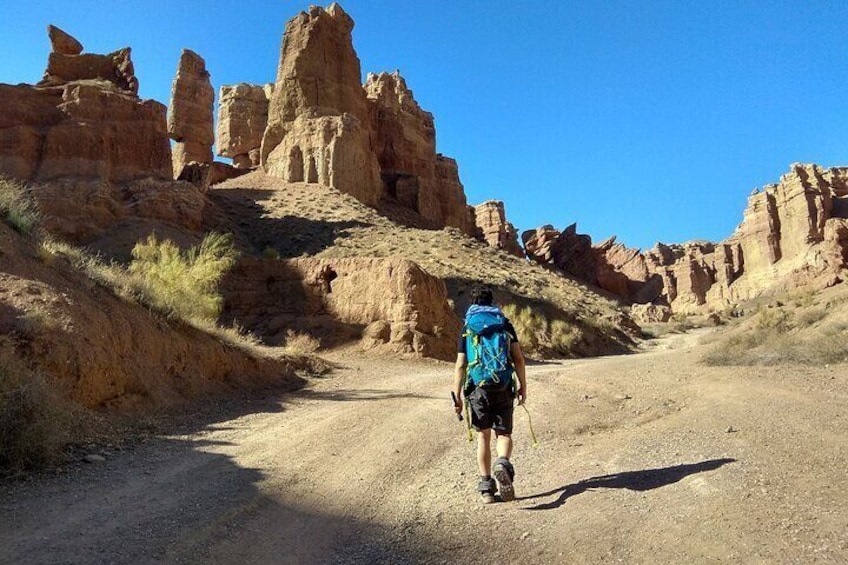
(504, 473)
(486, 487)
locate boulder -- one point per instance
(389, 305)
(242, 118)
(114, 70)
(190, 115)
(493, 228)
(650, 313)
(63, 43)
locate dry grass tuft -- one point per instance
(782, 334)
(16, 207)
(541, 334)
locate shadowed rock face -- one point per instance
(84, 120)
(388, 305)
(190, 114)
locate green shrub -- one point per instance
(183, 284)
(16, 207)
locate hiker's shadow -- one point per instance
(632, 480)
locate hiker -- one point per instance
(488, 357)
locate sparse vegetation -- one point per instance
(33, 417)
(183, 284)
(540, 334)
(781, 335)
(301, 343)
(16, 208)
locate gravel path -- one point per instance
(648, 458)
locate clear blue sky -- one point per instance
(652, 121)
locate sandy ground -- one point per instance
(648, 458)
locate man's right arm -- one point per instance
(459, 380)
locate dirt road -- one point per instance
(650, 458)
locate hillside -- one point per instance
(271, 217)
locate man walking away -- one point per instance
(488, 359)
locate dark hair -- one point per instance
(482, 296)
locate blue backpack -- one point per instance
(487, 347)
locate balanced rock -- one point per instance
(63, 43)
(83, 121)
(494, 229)
(190, 115)
(242, 118)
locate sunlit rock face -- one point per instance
(372, 141)
(82, 120)
(191, 113)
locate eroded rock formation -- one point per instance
(568, 250)
(793, 233)
(318, 120)
(190, 114)
(389, 305)
(373, 141)
(494, 229)
(83, 120)
(242, 119)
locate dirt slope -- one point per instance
(652, 458)
(269, 216)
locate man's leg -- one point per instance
(504, 444)
(484, 452)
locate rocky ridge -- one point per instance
(793, 234)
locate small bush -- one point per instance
(811, 316)
(183, 284)
(777, 319)
(540, 334)
(16, 207)
(301, 343)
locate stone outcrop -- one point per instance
(386, 305)
(63, 43)
(624, 271)
(373, 141)
(568, 250)
(494, 229)
(650, 313)
(405, 143)
(83, 120)
(242, 119)
(190, 114)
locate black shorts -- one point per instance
(491, 408)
